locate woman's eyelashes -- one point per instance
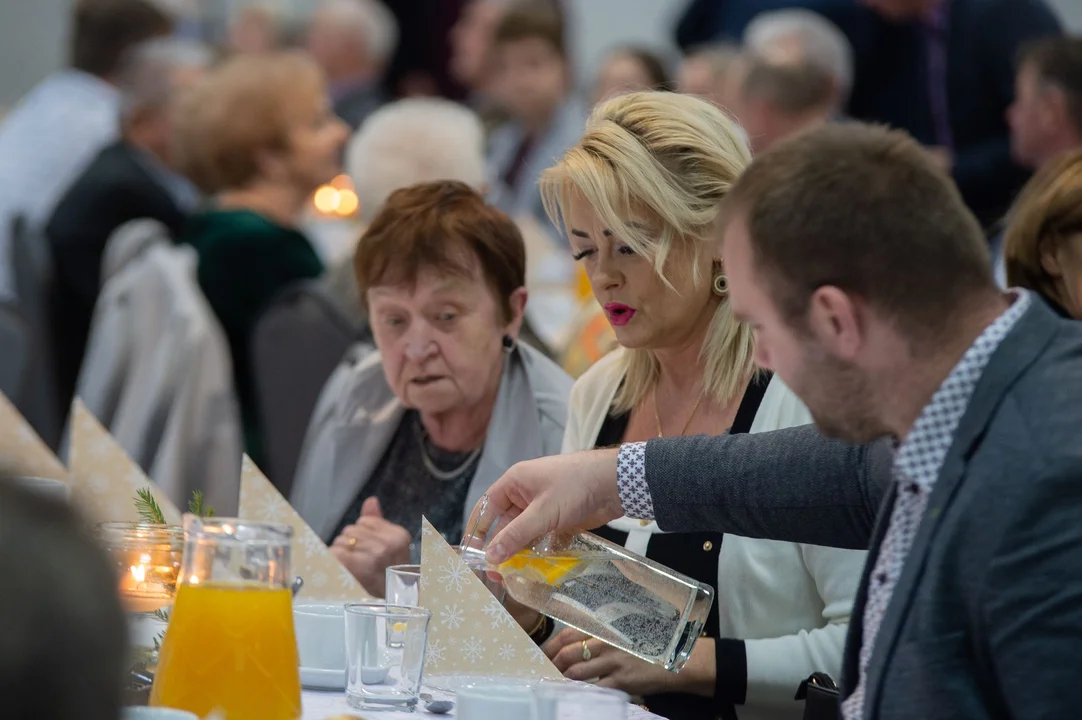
(622, 249)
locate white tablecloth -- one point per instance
(322, 705)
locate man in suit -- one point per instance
(129, 179)
(866, 280)
(943, 70)
(353, 40)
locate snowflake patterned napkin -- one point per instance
(325, 579)
(104, 480)
(470, 631)
(22, 452)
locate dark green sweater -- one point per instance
(245, 259)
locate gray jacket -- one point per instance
(986, 618)
(357, 415)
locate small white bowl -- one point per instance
(494, 702)
(156, 713)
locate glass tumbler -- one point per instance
(385, 654)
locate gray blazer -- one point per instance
(986, 618)
(566, 129)
(357, 415)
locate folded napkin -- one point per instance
(104, 480)
(470, 632)
(325, 579)
(22, 452)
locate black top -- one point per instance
(695, 554)
(114, 189)
(407, 489)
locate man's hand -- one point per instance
(562, 492)
(371, 545)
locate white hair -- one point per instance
(414, 141)
(821, 42)
(146, 74)
(374, 24)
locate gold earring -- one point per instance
(720, 282)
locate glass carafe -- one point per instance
(602, 589)
(230, 647)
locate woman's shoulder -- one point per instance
(600, 381)
(780, 408)
(216, 228)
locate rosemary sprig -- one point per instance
(161, 615)
(197, 505)
(147, 507)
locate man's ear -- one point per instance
(834, 318)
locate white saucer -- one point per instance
(319, 679)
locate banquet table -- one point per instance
(320, 705)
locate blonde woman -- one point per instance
(638, 196)
(1043, 245)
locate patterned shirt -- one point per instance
(46, 142)
(917, 462)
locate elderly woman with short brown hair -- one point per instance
(258, 136)
(1043, 245)
(448, 402)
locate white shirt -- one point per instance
(46, 141)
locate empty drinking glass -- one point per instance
(402, 584)
(566, 701)
(385, 652)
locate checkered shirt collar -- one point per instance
(919, 457)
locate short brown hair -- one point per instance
(864, 209)
(1048, 211)
(791, 89)
(103, 31)
(1058, 61)
(442, 226)
(247, 105)
(530, 20)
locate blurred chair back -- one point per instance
(32, 264)
(158, 375)
(16, 341)
(296, 345)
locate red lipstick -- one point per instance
(619, 314)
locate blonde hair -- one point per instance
(249, 104)
(669, 159)
(1048, 210)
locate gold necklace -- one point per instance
(657, 415)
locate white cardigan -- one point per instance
(789, 602)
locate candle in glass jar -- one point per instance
(147, 560)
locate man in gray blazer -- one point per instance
(866, 281)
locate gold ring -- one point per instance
(352, 542)
(586, 654)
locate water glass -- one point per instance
(564, 701)
(403, 584)
(385, 652)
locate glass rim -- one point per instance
(226, 527)
(406, 568)
(385, 609)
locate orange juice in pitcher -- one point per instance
(230, 646)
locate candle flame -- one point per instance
(139, 573)
(144, 559)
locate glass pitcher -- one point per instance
(230, 646)
(600, 588)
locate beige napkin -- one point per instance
(104, 480)
(470, 631)
(325, 578)
(22, 452)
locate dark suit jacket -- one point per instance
(986, 618)
(114, 189)
(983, 41)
